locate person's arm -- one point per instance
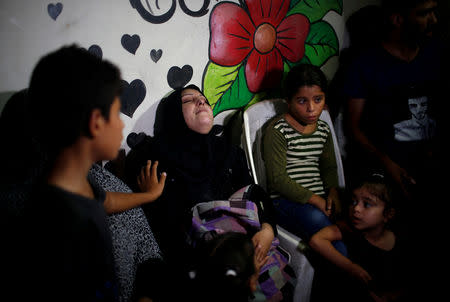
(262, 240)
(151, 189)
(274, 155)
(329, 175)
(400, 175)
(321, 242)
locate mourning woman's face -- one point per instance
(197, 112)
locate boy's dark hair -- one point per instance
(225, 267)
(304, 75)
(65, 87)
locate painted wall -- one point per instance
(161, 45)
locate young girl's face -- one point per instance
(367, 210)
(307, 104)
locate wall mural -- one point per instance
(253, 44)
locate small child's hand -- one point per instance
(359, 273)
(148, 181)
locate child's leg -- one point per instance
(304, 220)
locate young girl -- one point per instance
(375, 269)
(228, 269)
(299, 157)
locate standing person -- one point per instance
(299, 157)
(376, 268)
(202, 166)
(77, 122)
(25, 160)
(393, 103)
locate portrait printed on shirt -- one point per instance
(420, 126)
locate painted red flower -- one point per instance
(264, 37)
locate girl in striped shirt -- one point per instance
(299, 157)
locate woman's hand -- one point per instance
(148, 181)
(262, 241)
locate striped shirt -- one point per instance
(303, 155)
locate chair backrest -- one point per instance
(254, 120)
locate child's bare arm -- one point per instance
(322, 243)
(151, 189)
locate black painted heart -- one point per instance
(96, 50)
(134, 139)
(132, 96)
(130, 43)
(54, 10)
(178, 77)
(155, 55)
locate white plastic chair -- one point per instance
(254, 119)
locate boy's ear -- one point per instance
(96, 122)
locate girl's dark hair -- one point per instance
(304, 75)
(225, 267)
(380, 186)
(65, 87)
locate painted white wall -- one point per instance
(27, 32)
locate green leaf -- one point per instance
(315, 10)
(321, 43)
(226, 87)
(293, 3)
(217, 79)
(304, 60)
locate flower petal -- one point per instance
(267, 11)
(231, 34)
(263, 71)
(291, 36)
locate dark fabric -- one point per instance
(72, 249)
(199, 167)
(388, 83)
(391, 271)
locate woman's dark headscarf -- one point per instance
(193, 155)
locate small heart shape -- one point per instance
(155, 55)
(96, 50)
(178, 77)
(54, 10)
(130, 43)
(134, 139)
(132, 96)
